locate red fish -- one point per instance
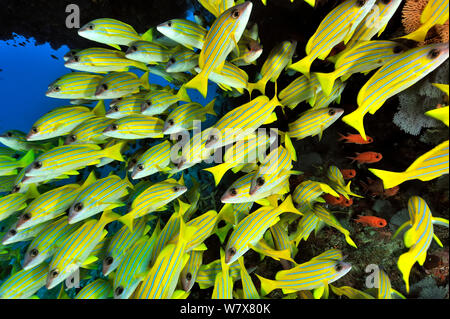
(337, 201)
(367, 157)
(330, 199)
(355, 139)
(372, 221)
(348, 173)
(375, 188)
(346, 202)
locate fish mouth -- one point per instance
(20, 223)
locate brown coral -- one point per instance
(412, 10)
(442, 30)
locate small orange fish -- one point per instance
(355, 138)
(372, 221)
(330, 199)
(348, 173)
(346, 202)
(391, 191)
(367, 157)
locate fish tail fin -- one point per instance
(99, 109)
(148, 35)
(267, 285)
(89, 180)
(218, 171)
(352, 158)
(405, 263)
(144, 80)
(127, 181)
(200, 83)
(209, 108)
(312, 3)
(326, 81)
(114, 152)
(128, 220)
(418, 35)
(182, 94)
(140, 66)
(32, 191)
(260, 86)
(342, 137)
(302, 66)
(288, 206)
(390, 179)
(355, 120)
(225, 266)
(108, 216)
(27, 159)
(290, 147)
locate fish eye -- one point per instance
(175, 189)
(170, 122)
(434, 53)
(12, 232)
(77, 207)
(398, 49)
(172, 60)
(211, 138)
(76, 58)
(188, 276)
(34, 130)
(54, 273)
(73, 138)
(380, 223)
(377, 156)
(361, 3)
(370, 139)
(118, 291)
(114, 127)
(179, 138)
(169, 24)
(235, 14)
(109, 260)
(260, 181)
(15, 189)
(37, 165)
(56, 88)
(233, 191)
(90, 27)
(26, 216)
(331, 112)
(385, 1)
(338, 267)
(8, 134)
(232, 251)
(34, 252)
(249, 47)
(104, 86)
(140, 167)
(133, 48)
(115, 108)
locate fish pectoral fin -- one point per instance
(438, 241)
(406, 224)
(89, 260)
(115, 46)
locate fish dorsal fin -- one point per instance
(99, 109)
(91, 179)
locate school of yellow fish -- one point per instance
(157, 250)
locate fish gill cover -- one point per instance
(223, 151)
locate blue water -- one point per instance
(26, 73)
